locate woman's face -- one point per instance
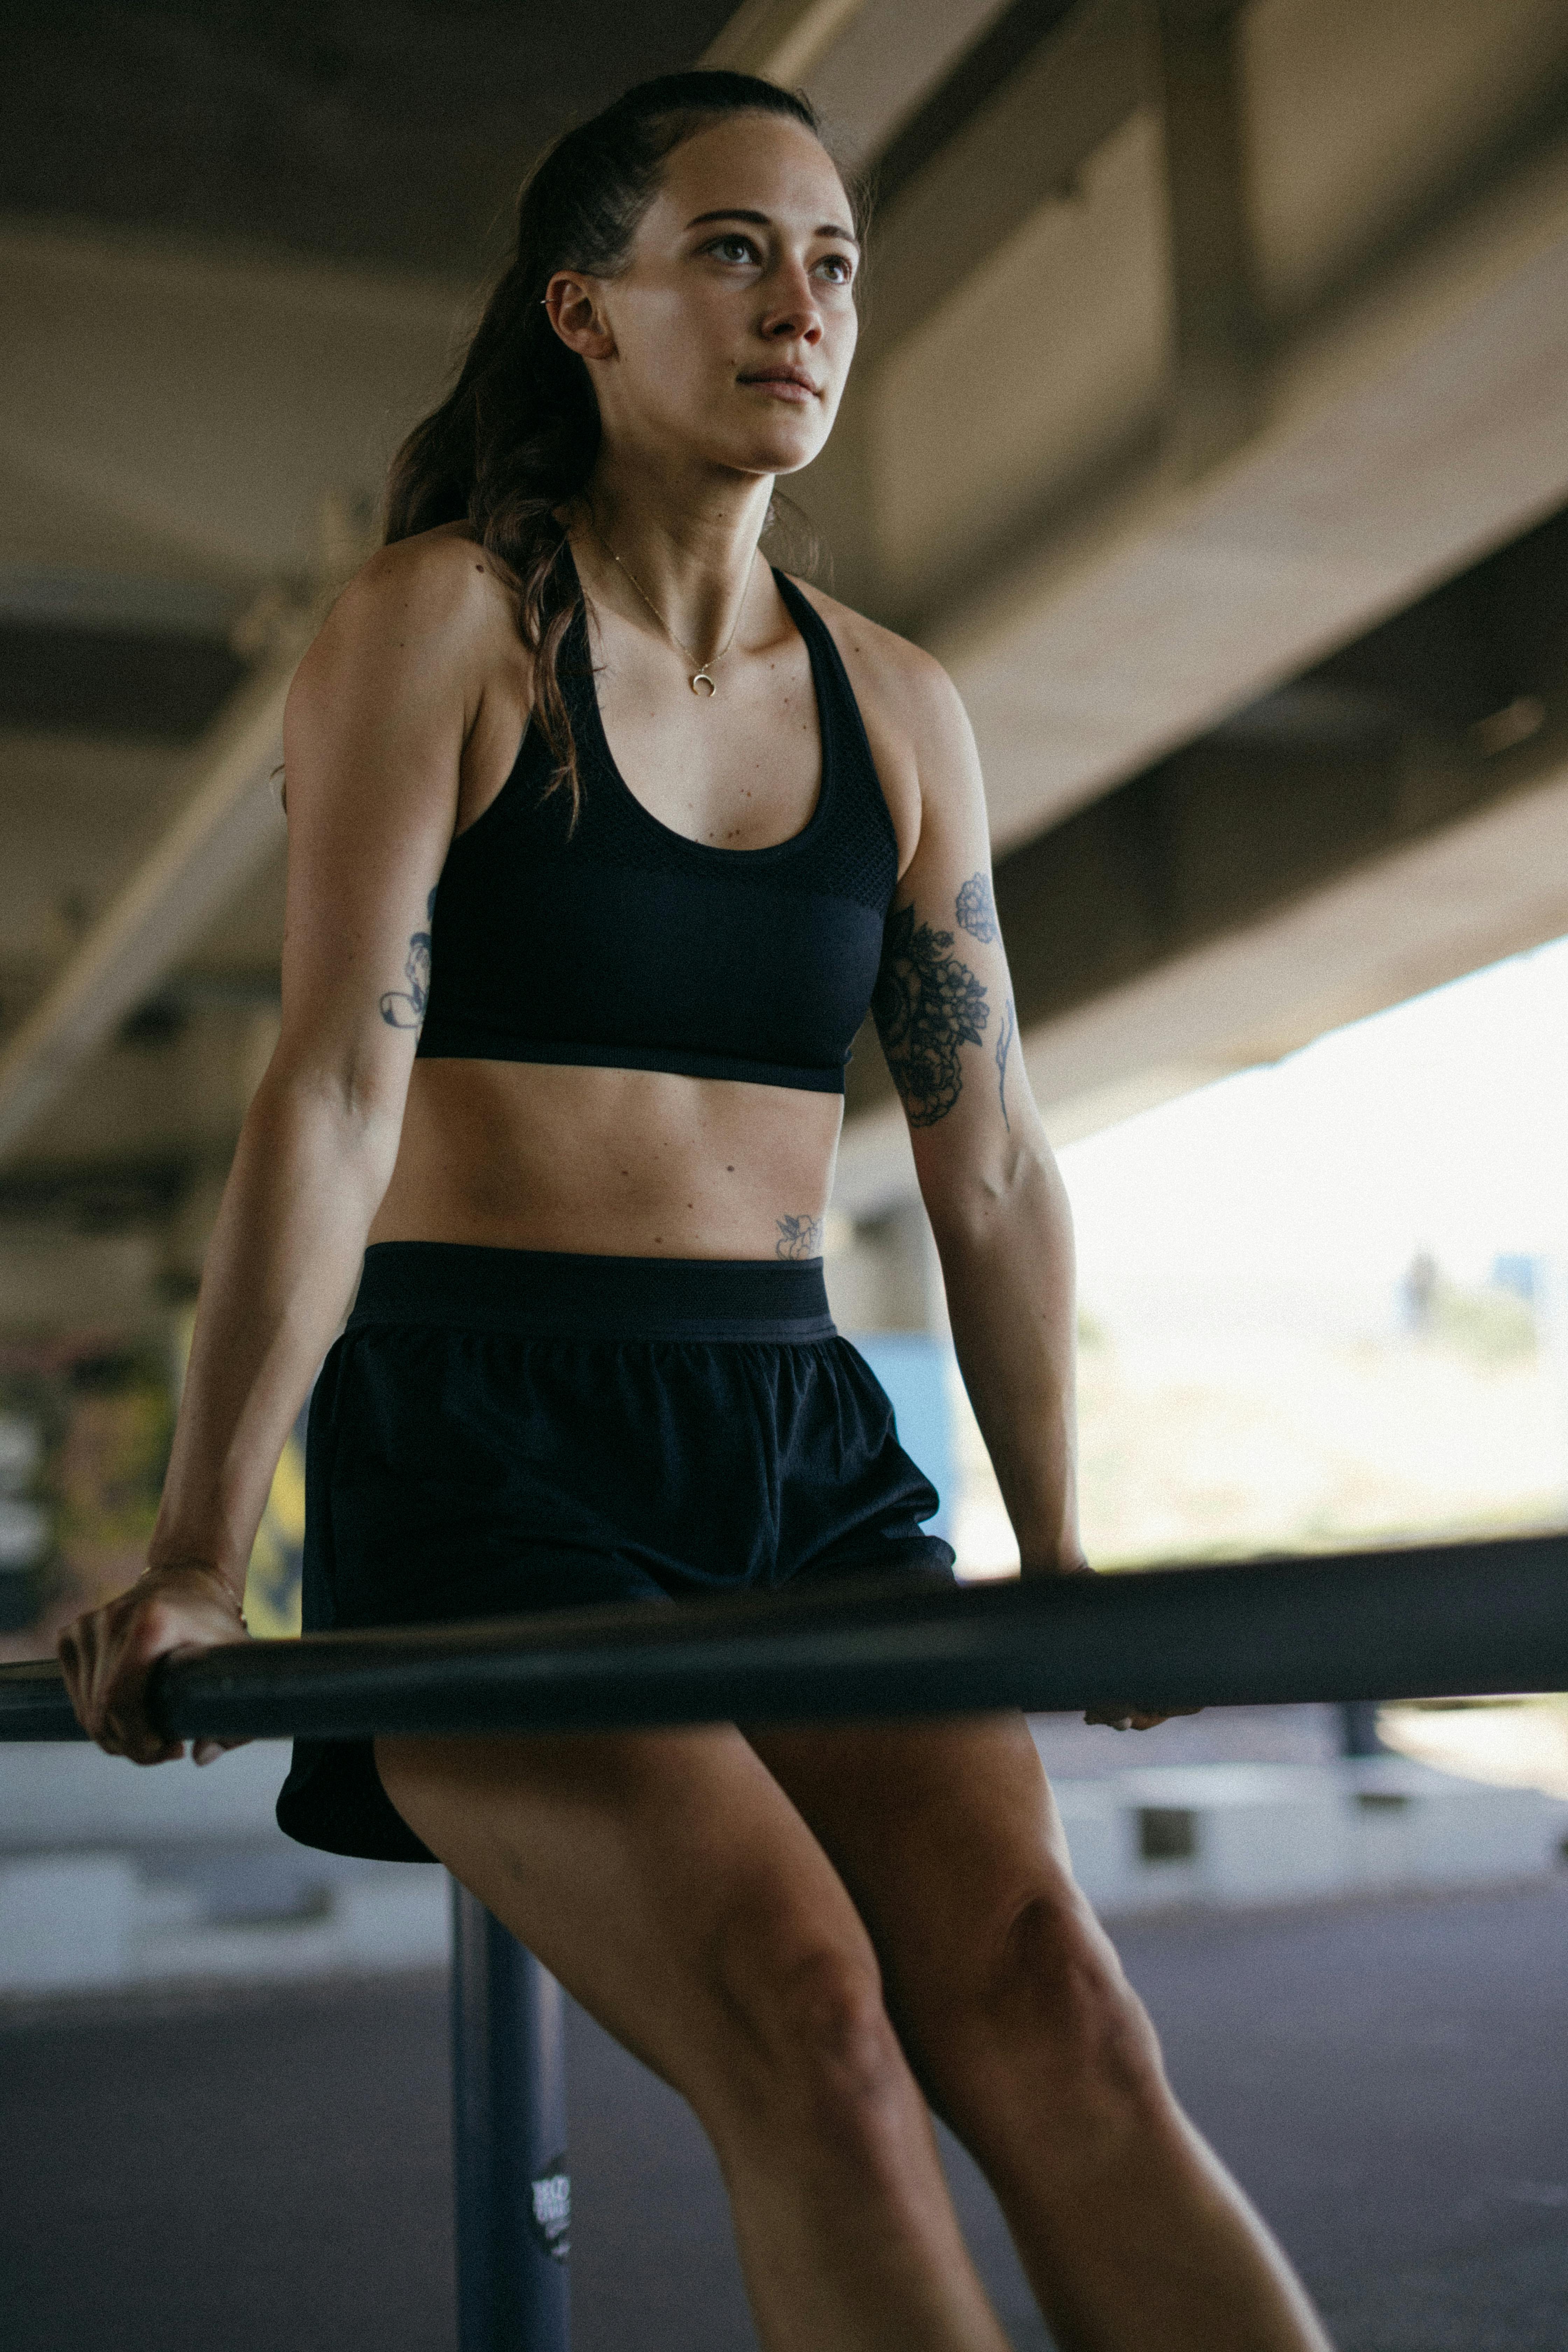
(728, 336)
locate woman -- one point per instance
(563, 1036)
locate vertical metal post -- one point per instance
(508, 2116)
(1358, 1728)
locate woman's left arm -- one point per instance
(944, 1011)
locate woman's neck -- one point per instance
(690, 547)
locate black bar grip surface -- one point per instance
(1408, 1621)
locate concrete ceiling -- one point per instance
(1200, 342)
(1395, 816)
(386, 132)
(1386, 366)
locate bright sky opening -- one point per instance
(1303, 1190)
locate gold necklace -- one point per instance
(703, 676)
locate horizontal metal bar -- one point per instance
(1427, 1622)
(33, 1703)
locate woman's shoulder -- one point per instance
(412, 645)
(909, 704)
(892, 668)
(436, 586)
(431, 602)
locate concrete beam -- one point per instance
(1216, 387)
(1445, 891)
(1019, 147)
(1424, 424)
(780, 39)
(228, 826)
(1007, 132)
(1460, 702)
(172, 412)
(882, 69)
(1491, 886)
(1257, 514)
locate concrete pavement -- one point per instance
(270, 2167)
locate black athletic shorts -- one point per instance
(500, 1431)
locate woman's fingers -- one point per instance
(107, 1657)
(67, 1651)
(121, 1687)
(128, 1729)
(1136, 1719)
(207, 1751)
(80, 1653)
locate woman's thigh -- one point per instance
(924, 1817)
(946, 1835)
(664, 1877)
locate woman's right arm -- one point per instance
(373, 730)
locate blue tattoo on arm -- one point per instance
(926, 1004)
(404, 1008)
(975, 909)
(1008, 1025)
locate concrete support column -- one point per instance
(1214, 383)
(889, 1278)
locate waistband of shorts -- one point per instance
(562, 1294)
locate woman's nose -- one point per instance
(794, 322)
(793, 313)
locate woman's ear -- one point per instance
(577, 317)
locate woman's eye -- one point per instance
(842, 267)
(733, 249)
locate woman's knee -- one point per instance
(806, 2039)
(1048, 2018)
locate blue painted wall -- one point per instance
(913, 1368)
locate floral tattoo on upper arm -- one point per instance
(404, 1008)
(926, 1004)
(975, 908)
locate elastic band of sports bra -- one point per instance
(461, 1041)
(562, 1294)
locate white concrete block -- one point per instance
(66, 1921)
(395, 1916)
(56, 1794)
(398, 1921)
(1412, 1826)
(1235, 1833)
(164, 1954)
(1096, 1833)
(1260, 1833)
(1273, 1851)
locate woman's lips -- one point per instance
(782, 387)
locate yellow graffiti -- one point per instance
(272, 1582)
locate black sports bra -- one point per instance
(622, 943)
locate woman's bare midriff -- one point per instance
(623, 1163)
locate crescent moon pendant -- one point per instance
(703, 684)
